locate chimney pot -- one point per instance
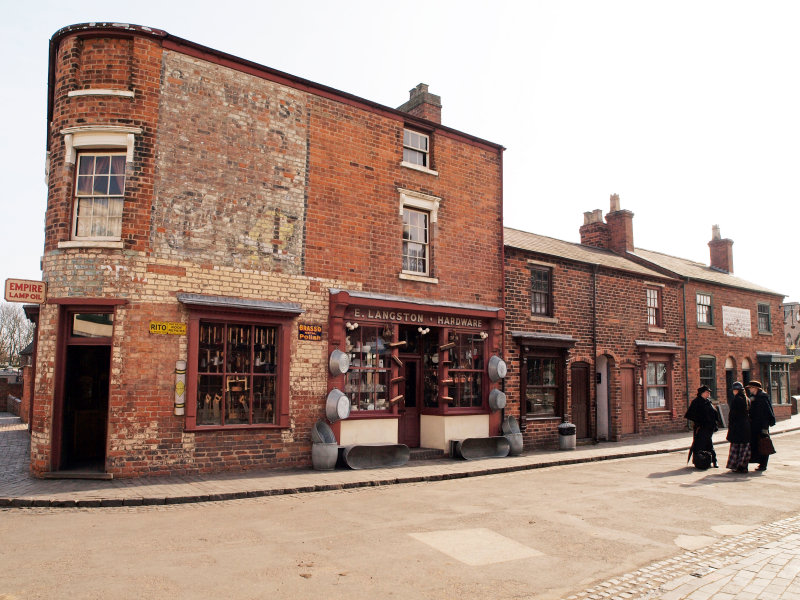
(715, 235)
(614, 202)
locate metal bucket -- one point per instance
(337, 406)
(485, 447)
(321, 433)
(323, 456)
(497, 400)
(497, 368)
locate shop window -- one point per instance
(366, 382)
(237, 374)
(99, 194)
(704, 312)
(657, 387)
(416, 251)
(777, 374)
(541, 292)
(416, 148)
(654, 317)
(708, 373)
(764, 319)
(543, 393)
(466, 370)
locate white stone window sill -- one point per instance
(544, 319)
(656, 330)
(422, 278)
(419, 168)
(101, 92)
(91, 244)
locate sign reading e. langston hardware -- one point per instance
(22, 290)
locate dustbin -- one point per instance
(566, 436)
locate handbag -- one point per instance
(765, 446)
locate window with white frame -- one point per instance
(415, 241)
(416, 148)
(657, 389)
(99, 195)
(704, 312)
(418, 212)
(654, 317)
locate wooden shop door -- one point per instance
(580, 400)
(627, 398)
(408, 426)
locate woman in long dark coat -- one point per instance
(704, 416)
(738, 429)
(761, 419)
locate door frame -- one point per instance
(68, 307)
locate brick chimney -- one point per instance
(593, 231)
(620, 228)
(721, 251)
(423, 104)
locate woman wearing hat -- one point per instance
(761, 419)
(704, 415)
(738, 429)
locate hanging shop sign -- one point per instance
(312, 333)
(22, 290)
(167, 328)
(416, 317)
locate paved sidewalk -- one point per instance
(19, 489)
(761, 564)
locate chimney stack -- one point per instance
(620, 228)
(594, 232)
(721, 251)
(423, 104)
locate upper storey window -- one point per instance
(416, 148)
(416, 255)
(654, 314)
(99, 194)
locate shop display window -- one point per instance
(466, 370)
(542, 390)
(366, 383)
(236, 374)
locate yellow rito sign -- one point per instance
(167, 328)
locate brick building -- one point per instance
(617, 338)
(593, 337)
(209, 214)
(733, 326)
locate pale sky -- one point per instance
(689, 110)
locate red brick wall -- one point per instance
(621, 320)
(354, 226)
(713, 341)
(120, 63)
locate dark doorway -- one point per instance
(730, 377)
(580, 399)
(627, 401)
(408, 432)
(85, 409)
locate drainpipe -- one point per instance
(594, 350)
(685, 343)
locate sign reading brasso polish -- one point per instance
(22, 290)
(415, 317)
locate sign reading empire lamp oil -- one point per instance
(22, 290)
(167, 328)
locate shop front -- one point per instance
(415, 372)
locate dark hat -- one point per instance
(754, 383)
(737, 385)
(703, 388)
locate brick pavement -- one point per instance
(761, 564)
(19, 489)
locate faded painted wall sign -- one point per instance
(736, 322)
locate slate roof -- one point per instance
(698, 271)
(577, 252)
